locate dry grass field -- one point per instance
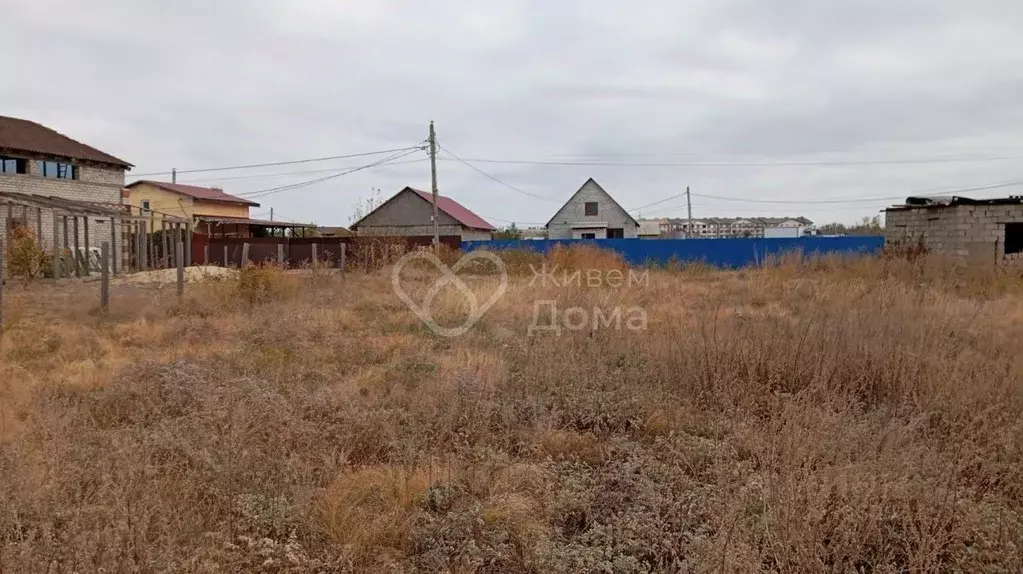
(833, 416)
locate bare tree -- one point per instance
(365, 205)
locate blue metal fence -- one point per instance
(717, 252)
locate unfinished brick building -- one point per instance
(973, 231)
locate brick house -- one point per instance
(37, 160)
(410, 213)
(982, 231)
(591, 213)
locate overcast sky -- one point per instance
(198, 84)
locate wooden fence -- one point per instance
(298, 251)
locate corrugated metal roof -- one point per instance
(451, 207)
(196, 192)
(27, 136)
(954, 200)
(248, 221)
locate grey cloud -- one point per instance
(200, 84)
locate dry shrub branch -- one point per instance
(805, 416)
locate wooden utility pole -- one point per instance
(689, 206)
(433, 179)
(174, 175)
(271, 214)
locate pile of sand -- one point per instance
(170, 276)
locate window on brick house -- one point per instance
(58, 170)
(590, 207)
(12, 165)
(1013, 238)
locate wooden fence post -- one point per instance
(39, 226)
(181, 267)
(88, 254)
(315, 261)
(206, 254)
(344, 249)
(245, 254)
(113, 245)
(56, 247)
(137, 229)
(144, 243)
(226, 262)
(77, 253)
(2, 281)
(280, 254)
(188, 251)
(104, 273)
(67, 248)
(165, 254)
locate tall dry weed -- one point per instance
(811, 415)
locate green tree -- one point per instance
(866, 226)
(510, 232)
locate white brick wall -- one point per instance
(966, 233)
(574, 212)
(96, 183)
(424, 230)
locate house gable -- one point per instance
(610, 214)
(404, 209)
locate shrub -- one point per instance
(25, 258)
(264, 282)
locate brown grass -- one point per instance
(830, 415)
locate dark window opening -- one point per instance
(58, 170)
(616, 233)
(589, 235)
(145, 206)
(1013, 238)
(12, 165)
(591, 208)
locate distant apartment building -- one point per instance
(731, 227)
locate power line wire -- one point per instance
(659, 202)
(511, 221)
(492, 178)
(741, 164)
(273, 190)
(293, 162)
(837, 200)
(286, 173)
(864, 199)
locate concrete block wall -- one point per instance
(968, 234)
(574, 212)
(96, 183)
(423, 230)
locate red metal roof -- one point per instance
(249, 221)
(456, 210)
(23, 135)
(196, 192)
